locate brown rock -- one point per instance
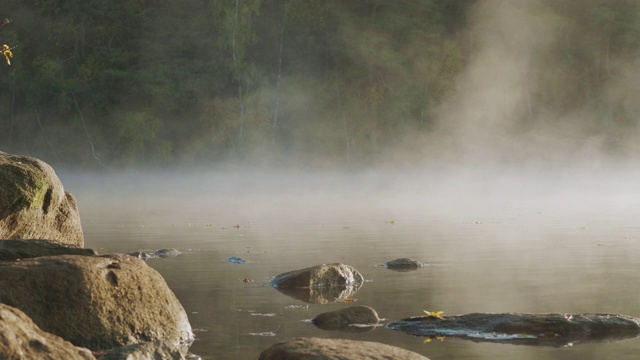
(96, 302)
(347, 319)
(331, 349)
(143, 351)
(319, 284)
(20, 338)
(33, 203)
(23, 249)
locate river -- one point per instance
(493, 242)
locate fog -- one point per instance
(517, 103)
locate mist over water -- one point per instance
(495, 241)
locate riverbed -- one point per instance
(493, 241)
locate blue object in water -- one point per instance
(237, 260)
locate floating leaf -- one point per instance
(435, 314)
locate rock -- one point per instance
(352, 319)
(403, 264)
(166, 253)
(20, 338)
(330, 349)
(33, 203)
(98, 302)
(236, 260)
(141, 255)
(23, 249)
(319, 284)
(526, 329)
(142, 351)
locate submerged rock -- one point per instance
(141, 255)
(357, 318)
(403, 264)
(33, 203)
(236, 260)
(525, 329)
(330, 349)
(20, 338)
(319, 284)
(98, 302)
(166, 253)
(23, 249)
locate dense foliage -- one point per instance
(335, 82)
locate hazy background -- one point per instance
(321, 83)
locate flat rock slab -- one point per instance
(33, 203)
(332, 349)
(525, 329)
(319, 284)
(97, 302)
(20, 338)
(24, 249)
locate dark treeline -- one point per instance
(328, 82)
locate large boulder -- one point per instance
(33, 203)
(319, 284)
(23, 249)
(357, 318)
(330, 349)
(98, 302)
(525, 329)
(20, 338)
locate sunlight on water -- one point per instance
(499, 246)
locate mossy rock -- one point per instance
(33, 203)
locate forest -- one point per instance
(323, 83)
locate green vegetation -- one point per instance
(324, 82)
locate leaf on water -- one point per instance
(435, 314)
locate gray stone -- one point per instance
(33, 203)
(528, 329)
(166, 253)
(403, 264)
(332, 349)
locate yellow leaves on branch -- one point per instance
(6, 51)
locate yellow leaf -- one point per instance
(435, 314)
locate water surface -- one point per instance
(494, 243)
